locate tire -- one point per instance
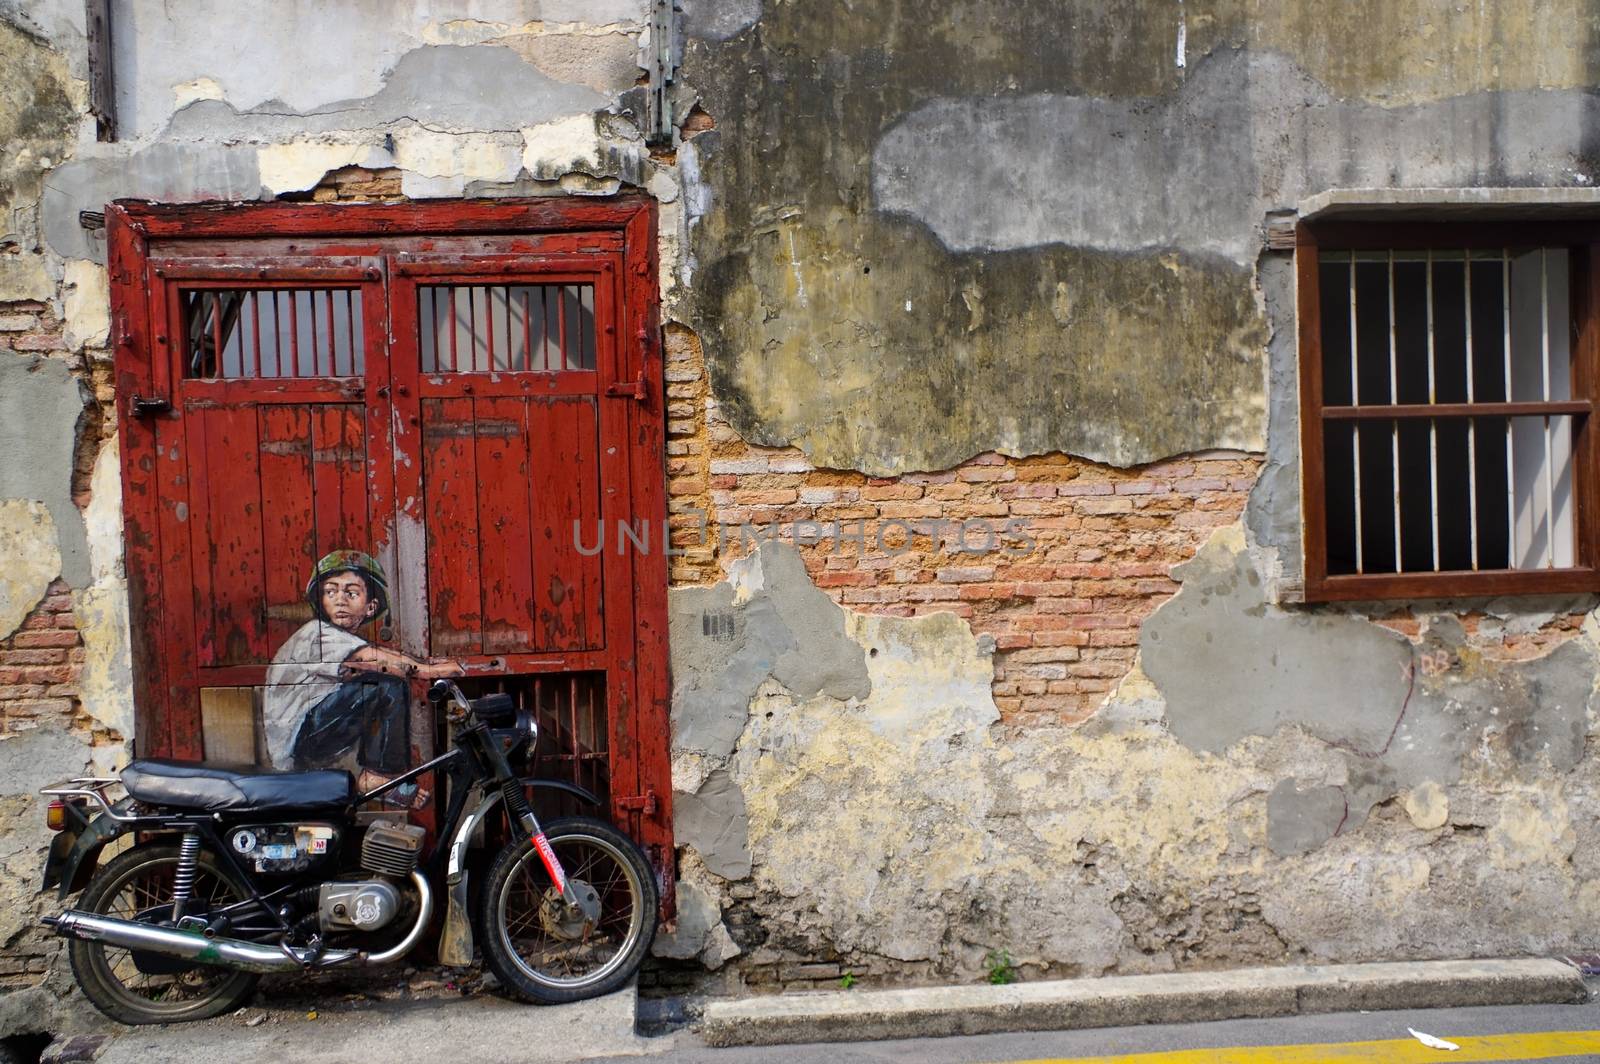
(134, 881)
(544, 952)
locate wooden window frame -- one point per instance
(1582, 239)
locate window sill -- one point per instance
(1459, 584)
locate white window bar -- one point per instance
(1394, 425)
(1433, 426)
(1544, 368)
(1355, 400)
(1511, 465)
(1472, 422)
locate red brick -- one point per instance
(980, 475)
(1075, 637)
(843, 578)
(965, 574)
(48, 674)
(32, 657)
(49, 638)
(884, 492)
(988, 591)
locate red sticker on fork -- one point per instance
(551, 865)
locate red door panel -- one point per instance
(508, 483)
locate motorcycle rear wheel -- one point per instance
(544, 952)
(134, 882)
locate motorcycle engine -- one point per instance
(361, 905)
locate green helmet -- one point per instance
(349, 561)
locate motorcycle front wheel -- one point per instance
(546, 951)
(136, 989)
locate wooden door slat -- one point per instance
(451, 518)
(288, 529)
(505, 539)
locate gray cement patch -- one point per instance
(1245, 133)
(713, 821)
(40, 409)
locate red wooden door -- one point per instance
(275, 451)
(471, 394)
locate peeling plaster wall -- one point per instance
(909, 237)
(938, 233)
(1287, 802)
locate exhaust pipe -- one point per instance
(231, 952)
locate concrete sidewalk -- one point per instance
(835, 1016)
(483, 1030)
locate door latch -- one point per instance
(627, 390)
(638, 803)
(148, 406)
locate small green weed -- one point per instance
(847, 980)
(999, 966)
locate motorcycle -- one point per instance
(232, 874)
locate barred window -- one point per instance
(1446, 388)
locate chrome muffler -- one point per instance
(232, 952)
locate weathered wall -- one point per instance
(971, 261)
(942, 231)
(939, 234)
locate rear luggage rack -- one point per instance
(88, 787)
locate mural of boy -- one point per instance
(334, 700)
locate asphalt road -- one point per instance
(1512, 1033)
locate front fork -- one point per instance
(521, 814)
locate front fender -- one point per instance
(455, 870)
(71, 863)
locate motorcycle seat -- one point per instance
(213, 788)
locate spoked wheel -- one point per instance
(139, 987)
(548, 951)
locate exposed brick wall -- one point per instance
(356, 184)
(39, 665)
(1064, 612)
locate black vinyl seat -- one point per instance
(193, 785)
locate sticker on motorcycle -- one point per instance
(551, 865)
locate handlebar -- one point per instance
(490, 709)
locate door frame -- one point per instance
(139, 232)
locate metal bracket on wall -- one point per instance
(666, 47)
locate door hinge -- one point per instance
(639, 803)
(627, 389)
(148, 406)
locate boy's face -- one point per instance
(346, 601)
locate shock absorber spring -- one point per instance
(183, 876)
(517, 804)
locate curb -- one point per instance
(1118, 1001)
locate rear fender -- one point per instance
(73, 860)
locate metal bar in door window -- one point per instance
(255, 333)
(1355, 400)
(1472, 423)
(1394, 426)
(1544, 369)
(1511, 465)
(1433, 424)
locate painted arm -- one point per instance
(379, 659)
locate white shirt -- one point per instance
(305, 670)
